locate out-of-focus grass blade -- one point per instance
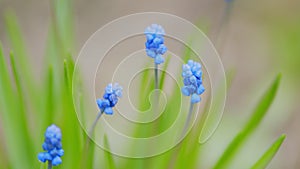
(191, 151)
(59, 45)
(87, 155)
(90, 156)
(269, 154)
(107, 155)
(163, 73)
(253, 122)
(16, 143)
(68, 71)
(214, 115)
(146, 85)
(17, 42)
(63, 23)
(4, 162)
(49, 113)
(22, 109)
(72, 131)
(230, 74)
(67, 75)
(18, 45)
(187, 53)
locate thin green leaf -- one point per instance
(190, 157)
(87, 157)
(18, 45)
(72, 134)
(230, 74)
(252, 124)
(266, 158)
(17, 41)
(146, 86)
(47, 117)
(214, 115)
(63, 24)
(108, 156)
(67, 75)
(21, 100)
(15, 143)
(163, 73)
(187, 51)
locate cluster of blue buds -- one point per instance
(52, 145)
(110, 98)
(192, 79)
(155, 47)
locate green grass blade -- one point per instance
(21, 100)
(17, 41)
(230, 75)
(16, 144)
(90, 155)
(213, 117)
(87, 157)
(269, 154)
(187, 53)
(63, 24)
(146, 85)
(253, 122)
(163, 73)
(72, 132)
(67, 75)
(49, 112)
(107, 155)
(18, 45)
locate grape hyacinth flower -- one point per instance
(192, 79)
(155, 47)
(110, 98)
(52, 146)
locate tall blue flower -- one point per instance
(52, 146)
(155, 47)
(192, 79)
(110, 98)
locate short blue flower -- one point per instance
(52, 146)
(192, 79)
(154, 44)
(110, 98)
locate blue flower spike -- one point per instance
(193, 87)
(110, 98)
(155, 47)
(52, 147)
(192, 79)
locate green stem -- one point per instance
(94, 123)
(88, 150)
(188, 117)
(156, 76)
(49, 164)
